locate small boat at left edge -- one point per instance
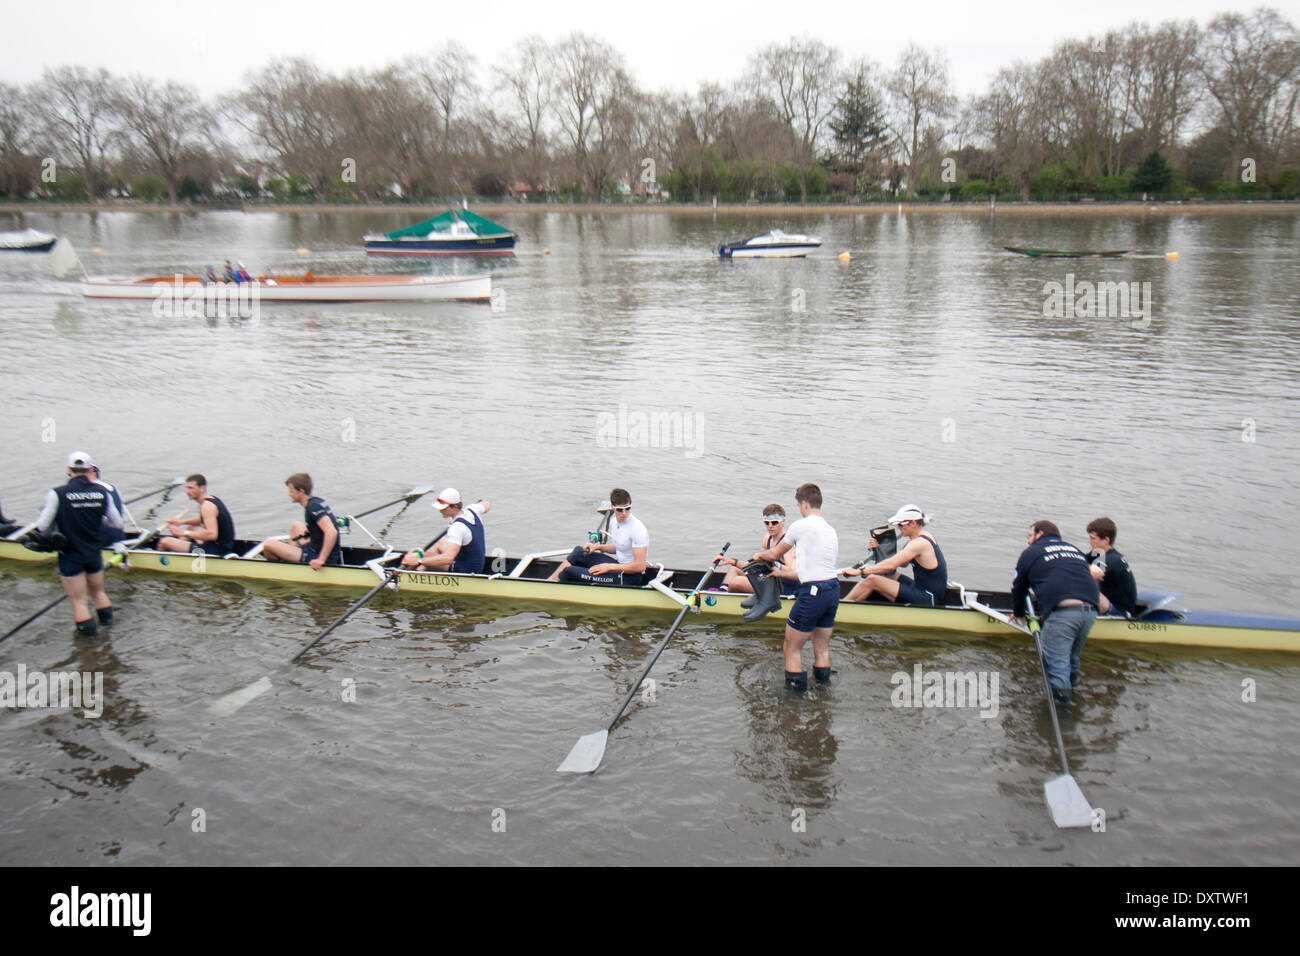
(29, 240)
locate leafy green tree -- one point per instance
(148, 188)
(858, 124)
(1153, 176)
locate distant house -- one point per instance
(519, 190)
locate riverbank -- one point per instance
(782, 209)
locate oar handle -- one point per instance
(664, 643)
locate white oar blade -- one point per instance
(586, 754)
(1070, 808)
(236, 699)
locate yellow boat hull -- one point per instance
(873, 616)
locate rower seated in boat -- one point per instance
(929, 584)
(774, 532)
(108, 535)
(212, 531)
(463, 549)
(315, 540)
(620, 560)
(1111, 571)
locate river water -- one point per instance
(922, 370)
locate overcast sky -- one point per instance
(668, 44)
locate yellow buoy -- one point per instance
(1171, 255)
(844, 257)
(96, 249)
(304, 252)
(546, 252)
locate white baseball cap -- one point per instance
(80, 459)
(447, 498)
(910, 513)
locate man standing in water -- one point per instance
(1067, 598)
(81, 510)
(817, 564)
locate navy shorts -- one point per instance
(913, 595)
(812, 611)
(309, 555)
(580, 561)
(73, 563)
(210, 548)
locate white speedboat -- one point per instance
(29, 240)
(770, 245)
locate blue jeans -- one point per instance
(1064, 633)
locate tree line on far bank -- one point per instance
(1170, 111)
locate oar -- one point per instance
(1070, 808)
(157, 491)
(587, 753)
(45, 610)
(410, 496)
(228, 704)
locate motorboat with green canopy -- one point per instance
(455, 232)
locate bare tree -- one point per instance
(802, 78)
(392, 127)
(165, 120)
(922, 96)
(591, 88)
(77, 109)
(701, 122)
(293, 110)
(1251, 67)
(17, 167)
(449, 74)
(1086, 99)
(1161, 85)
(527, 81)
(1008, 116)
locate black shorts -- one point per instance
(911, 594)
(74, 563)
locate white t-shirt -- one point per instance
(458, 533)
(626, 535)
(817, 555)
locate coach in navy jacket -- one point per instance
(1066, 597)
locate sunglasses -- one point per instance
(773, 521)
(623, 510)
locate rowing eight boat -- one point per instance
(522, 581)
